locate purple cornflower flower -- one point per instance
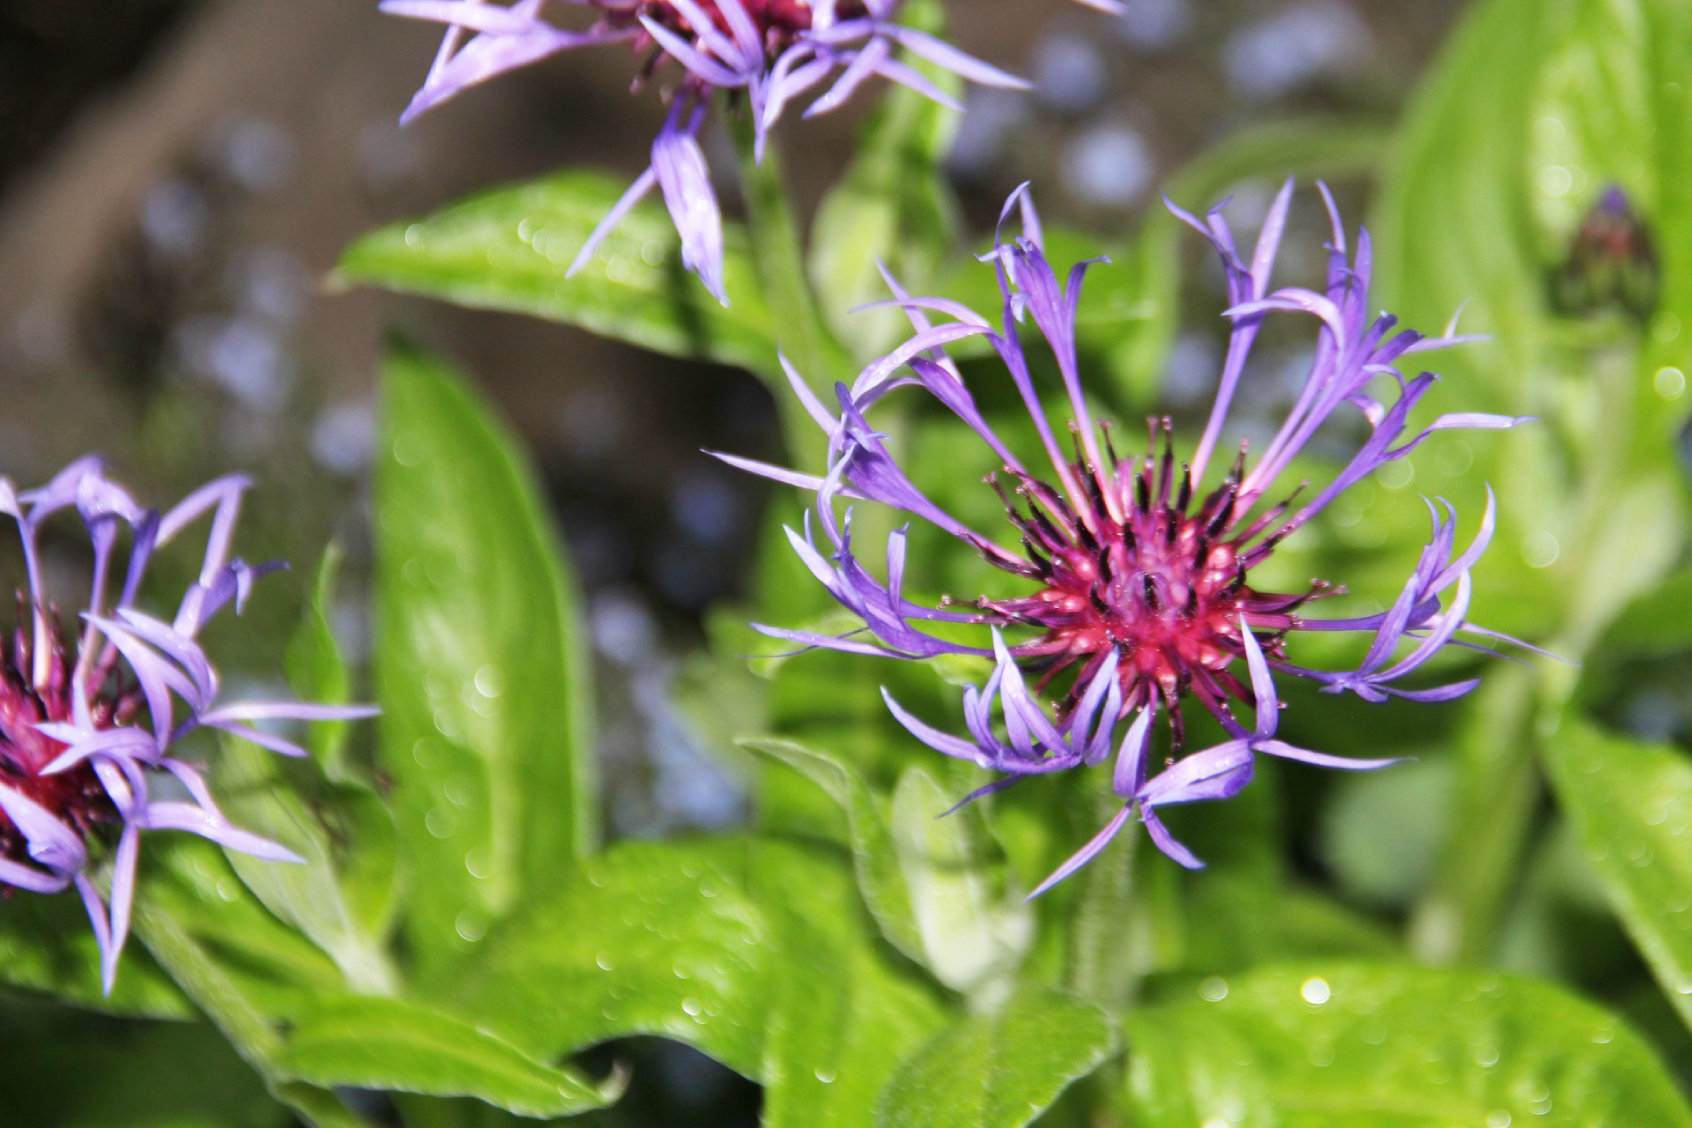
(774, 50)
(86, 727)
(1141, 599)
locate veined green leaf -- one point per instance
(1391, 1046)
(481, 667)
(508, 249)
(999, 1070)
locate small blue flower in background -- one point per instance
(1142, 599)
(87, 728)
(774, 50)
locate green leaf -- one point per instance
(189, 885)
(972, 934)
(317, 671)
(481, 668)
(329, 828)
(359, 823)
(842, 1016)
(241, 967)
(999, 1070)
(1632, 804)
(756, 951)
(880, 878)
(389, 1044)
(1389, 1046)
(649, 938)
(47, 945)
(892, 206)
(508, 250)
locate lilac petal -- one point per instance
(262, 739)
(123, 901)
(948, 57)
(489, 56)
(1215, 773)
(469, 14)
(867, 63)
(686, 184)
(187, 817)
(1129, 775)
(50, 841)
(287, 711)
(1166, 842)
(939, 741)
(1086, 854)
(1438, 693)
(20, 876)
(696, 61)
(102, 926)
(81, 744)
(643, 184)
(1262, 683)
(1322, 759)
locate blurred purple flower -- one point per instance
(85, 727)
(1142, 594)
(774, 50)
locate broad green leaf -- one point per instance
(359, 820)
(326, 826)
(892, 206)
(1632, 804)
(242, 968)
(880, 877)
(317, 671)
(843, 1015)
(649, 938)
(756, 951)
(999, 1070)
(1389, 1046)
(973, 934)
(1238, 922)
(1658, 622)
(371, 1043)
(189, 885)
(481, 667)
(508, 250)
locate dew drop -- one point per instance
(471, 926)
(438, 822)
(1499, 1119)
(490, 681)
(1214, 989)
(692, 1007)
(1315, 990)
(605, 962)
(826, 1076)
(479, 863)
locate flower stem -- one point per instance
(779, 255)
(1102, 967)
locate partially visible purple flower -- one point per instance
(89, 726)
(773, 50)
(1142, 598)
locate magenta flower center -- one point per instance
(779, 22)
(74, 796)
(1135, 566)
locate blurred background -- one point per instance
(177, 177)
